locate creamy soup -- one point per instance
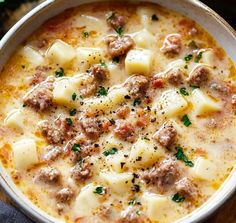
(118, 113)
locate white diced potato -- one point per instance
(32, 56)
(105, 103)
(63, 90)
(171, 103)
(203, 104)
(208, 57)
(25, 153)
(144, 39)
(118, 162)
(14, 119)
(144, 153)
(86, 202)
(116, 74)
(61, 53)
(118, 182)
(204, 169)
(157, 206)
(139, 61)
(88, 56)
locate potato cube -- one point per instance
(118, 162)
(14, 119)
(118, 182)
(171, 103)
(63, 90)
(144, 39)
(86, 202)
(32, 56)
(61, 53)
(25, 153)
(88, 56)
(144, 153)
(203, 104)
(204, 169)
(208, 57)
(139, 61)
(157, 206)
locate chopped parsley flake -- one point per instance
(85, 34)
(72, 111)
(194, 86)
(154, 17)
(111, 151)
(132, 202)
(99, 190)
(188, 57)
(136, 102)
(183, 91)
(181, 156)
(186, 120)
(186, 66)
(116, 60)
(60, 72)
(69, 121)
(198, 57)
(103, 63)
(102, 91)
(119, 30)
(73, 96)
(177, 198)
(76, 147)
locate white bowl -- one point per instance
(208, 19)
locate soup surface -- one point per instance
(118, 113)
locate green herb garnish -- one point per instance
(137, 101)
(132, 202)
(198, 57)
(69, 121)
(194, 86)
(111, 151)
(183, 91)
(72, 111)
(181, 156)
(154, 17)
(76, 147)
(103, 63)
(99, 190)
(186, 66)
(193, 45)
(74, 95)
(60, 72)
(188, 57)
(116, 60)
(177, 198)
(119, 30)
(102, 91)
(85, 34)
(186, 120)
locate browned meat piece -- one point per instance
(199, 76)
(99, 72)
(125, 130)
(172, 45)
(220, 88)
(92, 127)
(163, 177)
(115, 20)
(119, 45)
(49, 175)
(89, 86)
(40, 97)
(40, 75)
(166, 135)
(157, 82)
(81, 171)
(233, 101)
(123, 111)
(65, 195)
(57, 131)
(53, 153)
(132, 214)
(187, 188)
(175, 76)
(137, 85)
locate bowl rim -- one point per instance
(24, 206)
